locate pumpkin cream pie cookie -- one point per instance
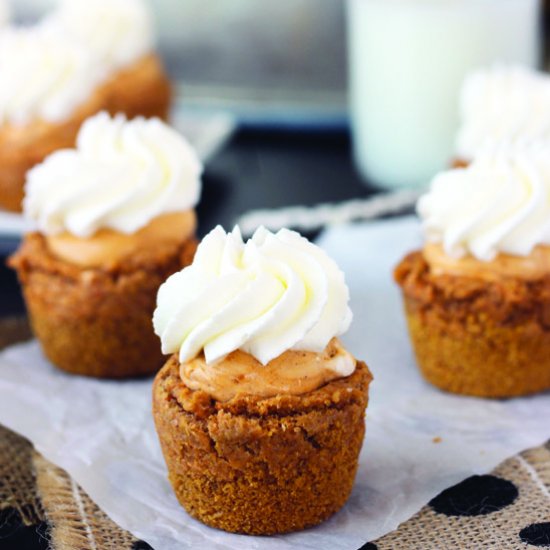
(114, 218)
(477, 296)
(260, 410)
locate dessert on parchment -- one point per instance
(260, 408)
(477, 296)
(114, 218)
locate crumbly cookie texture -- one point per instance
(97, 322)
(477, 337)
(261, 465)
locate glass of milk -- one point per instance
(408, 59)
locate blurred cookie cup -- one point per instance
(48, 86)
(83, 58)
(115, 217)
(477, 296)
(260, 409)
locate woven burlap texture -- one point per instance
(76, 522)
(17, 481)
(40, 491)
(17, 478)
(530, 473)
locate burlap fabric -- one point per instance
(39, 497)
(509, 509)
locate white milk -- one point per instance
(408, 59)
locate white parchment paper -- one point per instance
(103, 435)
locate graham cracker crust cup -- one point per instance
(96, 321)
(261, 466)
(476, 337)
(141, 89)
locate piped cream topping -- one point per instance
(117, 32)
(499, 204)
(121, 176)
(278, 292)
(43, 75)
(503, 104)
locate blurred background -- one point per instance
(287, 65)
(311, 110)
(306, 102)
(273, 62)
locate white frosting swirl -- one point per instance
(43, 75)
(121, 176)
(118, 32)
(274, 293)
(500, 203)
(501, 105)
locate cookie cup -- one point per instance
(477, 337)
(261, 465)
(141, 89)
(96, 321)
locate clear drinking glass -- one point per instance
(408, 59)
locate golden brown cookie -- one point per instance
(142, 89)
(261, 465)
(477, 337)
(96, 321)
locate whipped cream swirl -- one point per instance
(118, 32)
(43, 75)
(275, 293)
(503, 104)
(121, 175)
(499, 204)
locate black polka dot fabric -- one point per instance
(15, 535)
(141, 545)
(536, 534)
(476, 496)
